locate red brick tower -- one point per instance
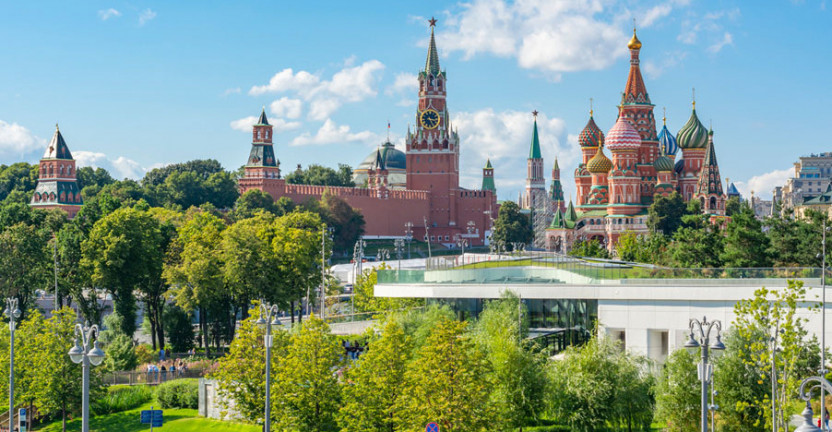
(262, 171)
(57, 185)
(636, 107)
(432, 149)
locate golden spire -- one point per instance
(693, 91)
(590, 107)
(634, 42)
(664, 116)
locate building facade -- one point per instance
(614, 193)
(431, 198)
(57, 186)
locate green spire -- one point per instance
(570, 213)
(534, 151)
(432, 63)
(488, 177)
(557, 221)
(557, 167)
(263, 120)
(488, 164)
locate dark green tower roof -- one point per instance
(263, 120)
(432, 62)
(534, 151)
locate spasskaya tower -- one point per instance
(433, 146)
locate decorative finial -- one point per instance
(534, 113)
(600, 144)
(664, 116)
(693, 91)
(590, 107)
(432, 21)
(57, 129)
(634, 26)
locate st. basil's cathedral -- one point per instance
(613, 195)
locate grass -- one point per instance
(179, 420)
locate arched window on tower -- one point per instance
(259, 134)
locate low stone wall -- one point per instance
(213, 405)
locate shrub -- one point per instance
(181, 393)
(122, 398)
(179, 330)
(144, 354)
(120, 353)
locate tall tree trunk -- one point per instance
(159, 309)
(292, 311)
(203, 325)
(149, 316)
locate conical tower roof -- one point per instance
(635, 92)
(570, 212)
(57, 148)
(534, 149)
(432, 62)
(710, 183)
(263, 120)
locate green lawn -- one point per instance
(179, 420)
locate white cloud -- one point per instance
(727, 39)
(18, 142)
(551, 36)
(763, 184)
(244, 124)
(505, 137)
(405, 83)
(120, 167)
(109, 13)
(331, 133)
(145, 16)
(711, 24)
(231, 91)
(350, 84)
(285, 107)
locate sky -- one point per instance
(136, 85)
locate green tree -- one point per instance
(512, 226)
(252, 201)
(297, 246)
(591, 248)
(322, 176)
(194, 270)
(678, 393)
(178, 328)
(665, 214)
(366, 301)
(746, 245)
(651, 248)
(449, 382)
(24, 263)
(732, 205)
(740, 385)
(517, 372)
(347, 223)
(89, 176)
(775, 312)
(250, 265)
(118, 347)
(373, 401)
(240, 373)
(55, 385)
(18, 177)
(123, 255)
(306, 394)
(598, 385)
(698, 243)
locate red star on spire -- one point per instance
(534, 113)
(432, 21)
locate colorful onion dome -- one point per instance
(599, 163)
(680, 166)
(591, 135)
(634, 42)
(663, 164)
(623, 136)
(693, 135)
(667, 142)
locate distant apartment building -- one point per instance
(811, 179)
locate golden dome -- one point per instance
(599, 163)
(634, 42)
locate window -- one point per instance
(432, 238)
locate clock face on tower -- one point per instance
(429, 119)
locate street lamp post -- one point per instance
(358, 257)
(269, 311)
(399, 244)
(13, 313)
(89, 354)
(823, 324)
(461, 242)
(427, 236)
(703, 328)
(408, 235)
(383, 254)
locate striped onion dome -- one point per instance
(667, 142)
(663, 164)
(693, 135)
(591, 135)
(623, 136)
(599, 163)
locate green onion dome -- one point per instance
(663, 164)
(693, 135)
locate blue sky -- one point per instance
(136, 85)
